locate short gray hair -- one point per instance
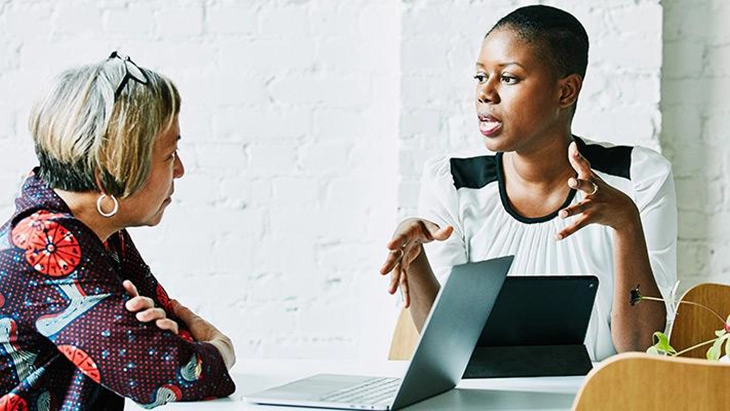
(86, 139)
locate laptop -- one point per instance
(449, 335)
(537, 328)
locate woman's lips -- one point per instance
(489, 125)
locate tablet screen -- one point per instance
(541, 310)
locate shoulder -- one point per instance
(649, 165)
(41, 220)
(606, 157)
(634, 163)
(53, 242)
(463, 171)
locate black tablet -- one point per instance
(536, 328)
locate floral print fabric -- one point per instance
(66, 340)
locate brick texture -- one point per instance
(305, 125)
(289, 136)
(696, 118)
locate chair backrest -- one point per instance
(692, 324)
(405, 338)
(639, 381)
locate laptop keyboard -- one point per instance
(375, 390)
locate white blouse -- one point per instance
(469, 194)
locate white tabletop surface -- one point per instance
(252, 375)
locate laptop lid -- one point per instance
(537, 327)
(449, 334)
(452, 328)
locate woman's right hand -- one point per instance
(145, 310)
(405, 246)
(203, 331)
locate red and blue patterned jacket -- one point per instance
(66, 340)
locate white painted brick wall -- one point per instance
(289, 124)
(696, 117)
(305, 125)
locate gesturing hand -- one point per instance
(405, 246)
(602, 204)
(145, 309)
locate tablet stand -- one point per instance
(528, 361)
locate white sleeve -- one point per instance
(655, 198)
(439, 203)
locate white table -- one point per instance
(251, 375)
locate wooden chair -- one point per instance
(694, 324)
(405, 337)
(639, 381)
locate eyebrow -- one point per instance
(503, 65)
(174, 143)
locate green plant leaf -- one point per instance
(713, 353)
(662, 344)
(720, 333)
(727, 347)
(653, 351)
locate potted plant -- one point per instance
(719, 344)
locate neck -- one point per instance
(545, 166)
(83, 207)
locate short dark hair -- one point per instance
(557, 36)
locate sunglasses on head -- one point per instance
(131, 71)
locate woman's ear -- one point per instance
(97, 178)
(570, 86)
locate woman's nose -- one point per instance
(179, 169)
(487, 92)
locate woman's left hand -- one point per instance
(602, 203)
(145, 309)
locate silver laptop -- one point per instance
(449, 335)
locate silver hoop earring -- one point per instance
(114, 210)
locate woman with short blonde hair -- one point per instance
(83, 321)
(84, 125)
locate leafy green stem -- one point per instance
(690, 303)
(708, 342)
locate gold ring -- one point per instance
(595, 189)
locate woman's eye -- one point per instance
(509, 80)
(480, 77)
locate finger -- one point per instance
(404, 291)
(575, 209)
(418, 229)
(167, 324)
(578, 162)
(394, 256)
(577, 225)
(131, 289)
(410, 255)
(399, 240)
(139, 303)
(589, 187)
(441, 234)
(394, 279)
(151, 314)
